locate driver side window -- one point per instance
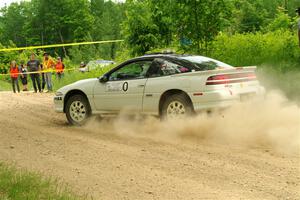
(135, 70)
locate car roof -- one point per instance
(179, 57)
(182, 58)
(160, 55)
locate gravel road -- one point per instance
(146, 159)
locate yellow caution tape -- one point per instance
(59, 45)
(39, 72)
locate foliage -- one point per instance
(257, 48)
(41, 22)
(200, 21)
(249, 16)
(139, 30)
(240, 32)
(152, 24)
(191, 25)
(281, 21)
(84, 53)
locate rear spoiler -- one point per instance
(241, 74)
(231, 71)
(234, 70)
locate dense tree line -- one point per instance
(189, 25)
(192, 25)
(41, 22)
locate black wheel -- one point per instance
(176, 106)
(78, 110)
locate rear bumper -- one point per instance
(220, 99)
(59, 104)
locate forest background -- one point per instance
(239, 32)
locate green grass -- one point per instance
(5, 85)
(22, 185)
(73, 76)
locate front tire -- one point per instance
(77, 110)
(176, 106)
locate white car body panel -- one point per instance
(155, 87)
(86, 86)
(113, 96)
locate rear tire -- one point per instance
(176, 106)
(78, 110)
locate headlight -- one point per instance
(59, 94)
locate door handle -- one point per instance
(141, 85)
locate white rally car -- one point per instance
(165, 85)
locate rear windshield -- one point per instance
(203, 63)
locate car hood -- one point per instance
(85, 81)
(85, 85)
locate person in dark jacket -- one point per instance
(34, 66)
(23, 74)
(43, 77)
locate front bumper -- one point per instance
(59, 104)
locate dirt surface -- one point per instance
(117, 159)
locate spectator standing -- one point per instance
(48, 65)
(43, 77)
(23, 73)
(14, 74)
(59, 68)
(34, 67)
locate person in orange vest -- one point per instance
(59, 68)
(14, 75)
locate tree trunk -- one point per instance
(112, 51)
(62, 41)
(197, 25)
(286, 6)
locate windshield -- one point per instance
(204, 63)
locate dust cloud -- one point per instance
(273, 122)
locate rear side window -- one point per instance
(202, 63)
(207, 65)
(162, 67)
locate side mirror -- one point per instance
(103, 79)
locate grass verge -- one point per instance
(5, 85)
(20, 185)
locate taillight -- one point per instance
(252, 76)
(230, 78)
(217, 79)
